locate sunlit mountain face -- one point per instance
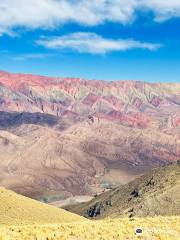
(131, 103)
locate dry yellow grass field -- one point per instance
(19, 210)
(158, 228)
(24, 219)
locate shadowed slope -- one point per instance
(14, 119)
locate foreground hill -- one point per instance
(119, 229)
(156, 193)
(19, 210)
(22, 218)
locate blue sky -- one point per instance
(98, 39)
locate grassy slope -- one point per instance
(19, 210)
(158, 228)
(25, 219)
(155, 193)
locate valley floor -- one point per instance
(161, 228)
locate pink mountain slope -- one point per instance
(137, 104)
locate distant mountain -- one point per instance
(67, 136)
(131, 103)
(155, 193)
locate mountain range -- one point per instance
(61, 137)
(132, 103)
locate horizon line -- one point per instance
(84, 78)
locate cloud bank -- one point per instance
(87, 42)
(46, 14)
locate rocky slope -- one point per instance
(62, 136)
(155, 193)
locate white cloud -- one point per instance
(163, 9)
(29, 56)
(86, 42)
(53, 13)
(24, 56)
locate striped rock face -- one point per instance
(72, 135)
(131, 103)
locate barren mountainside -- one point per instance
(157, 193)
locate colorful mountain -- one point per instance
(132, 103)
(64, 136)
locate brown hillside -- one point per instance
(155, 193)
(83, 159)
